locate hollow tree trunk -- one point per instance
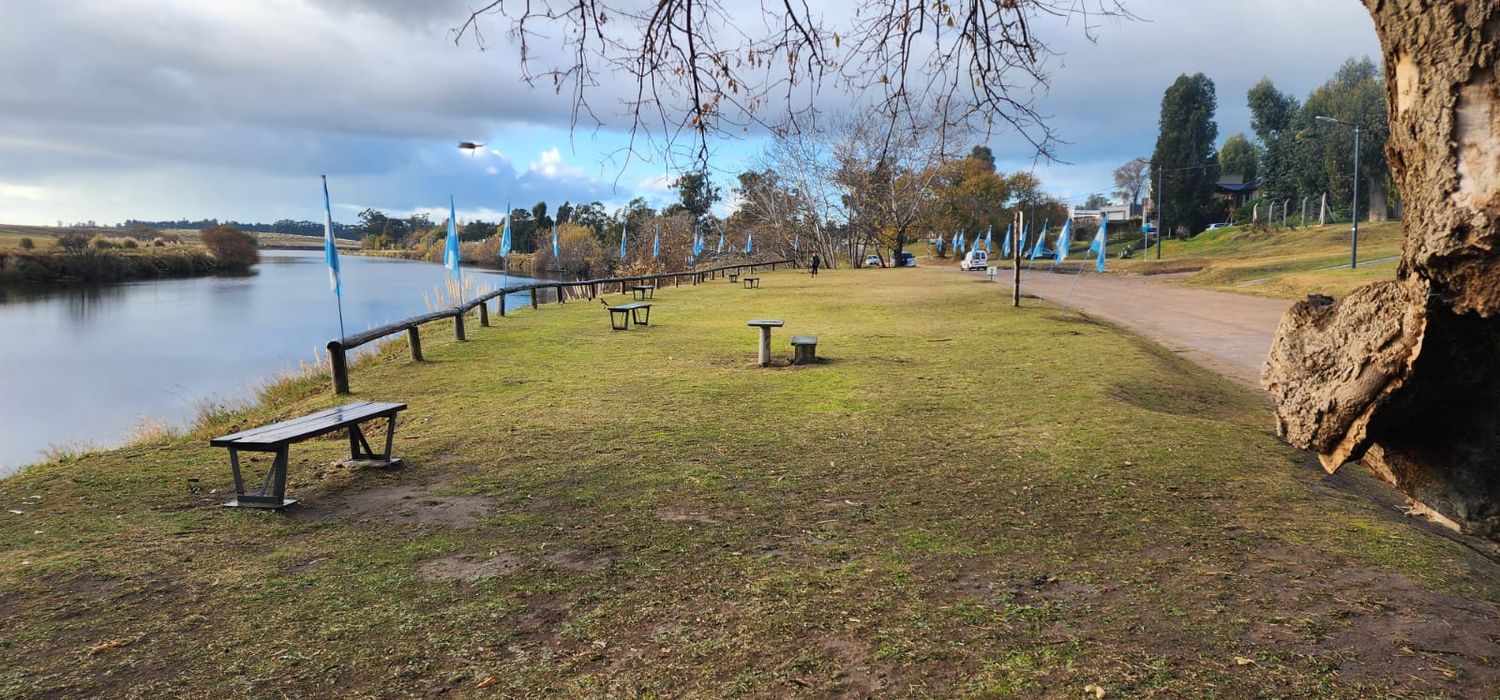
(1405, 375)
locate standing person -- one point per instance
(815, 262)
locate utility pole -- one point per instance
(1354, 205)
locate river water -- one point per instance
(87, 365)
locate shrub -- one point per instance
(158, 242)
(72, 241)
(102, 242)
(27, 244)
(129, 243)
(171, 238)
(232, 248)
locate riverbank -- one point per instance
(963, 498)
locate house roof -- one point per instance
(1237, 187)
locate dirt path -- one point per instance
(1228, 333)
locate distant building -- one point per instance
(1113, 212)
(1234, 190)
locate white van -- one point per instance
(975, 260)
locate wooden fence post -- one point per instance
(484, 313)
(458, 324)
(533, 297)
(339, 365)
(414, 339)
(500, 300)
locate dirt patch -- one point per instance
(575, 560)
(469, 568)
(413, 504)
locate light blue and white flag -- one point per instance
(330, 250)
(450, 248)
(749, 242)
(656, 244)
(720, 251)
(1005, 244)
(1041, 241)
(960, 245)
(1064, 240)
(1098, 245)
(622, 240)
(988, 238)
(505, 235)
(1021, 247)
(697, 244)
(796, 240)
(556, 251)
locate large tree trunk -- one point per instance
(1405, 375)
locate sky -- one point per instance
(167, 109)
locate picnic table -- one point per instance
(279, 437)
(734, 276)
(765, 326)
(752, 282)
(644, 291)
(620, 317)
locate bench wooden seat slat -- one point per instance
(309, 425)
(252, 434)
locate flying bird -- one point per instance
(470, 146)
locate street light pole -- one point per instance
(1354, 205)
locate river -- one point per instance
(88, 365)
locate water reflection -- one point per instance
(89, 363)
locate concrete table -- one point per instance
(765, 326)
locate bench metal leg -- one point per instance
(362, 455)
(272, 492)
(621, 324)
(635, 316)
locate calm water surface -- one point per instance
(87, 365)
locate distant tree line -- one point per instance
(288, 226)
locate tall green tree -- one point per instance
(697, 194)
(1184, 157)
(1355, 94)
(1238, 156)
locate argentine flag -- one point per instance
(796, 240)
(505, 236)
(1064, 239)
(720, 251)
(656, 244)
(1005, 244)
(330, 251)
(622, 240)
(556, 252)
(1098, 244)
(1041, 240)
(988, 237)
(1021, 247)
(450, 249)
(749, 242)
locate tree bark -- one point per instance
(1405, 375)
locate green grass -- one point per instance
(1287, 264)
(962, 499)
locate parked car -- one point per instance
(975, 260)
(1224, 224)
(873, 260)
(906, 259)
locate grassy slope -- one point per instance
(964, 498)
(1283, 264)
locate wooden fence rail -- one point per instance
(338, 350)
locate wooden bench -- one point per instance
(804, 349)
(278, 438)
(752, 282)
(627, 314)
(644, 291)
(734, 277)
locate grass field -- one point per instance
(1286, 264)
(962, 499)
